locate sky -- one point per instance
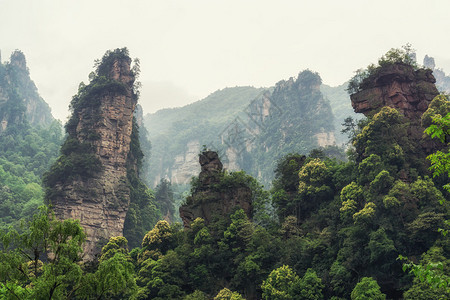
(191, 48)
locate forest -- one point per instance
(371, 226)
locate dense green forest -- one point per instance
(371, 227)
(29, 142)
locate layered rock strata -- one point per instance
(101, 201)
(399, 86)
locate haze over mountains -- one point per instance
(331, 218)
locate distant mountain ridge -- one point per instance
(250, 127)
(19, 99)
(29, 142)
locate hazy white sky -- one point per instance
(190, 48)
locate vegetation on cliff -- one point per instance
(335, 230)
(29, 142)
(364, 78)
(108, 168)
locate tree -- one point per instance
(367, 289)
(433, 273)
(226, 294)
(43, 261)
(313, 188)
(280, 284)
(440, 161)
(113, 278)
(309, 287)
(164, 199)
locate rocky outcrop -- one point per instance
(212, 197)
(399, 86)
(409, 91)
(19, 98)
(100, 200)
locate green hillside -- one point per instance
(29, 142)
(170, 130)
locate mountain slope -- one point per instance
(29, 142)
(250, 128)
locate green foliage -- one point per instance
(366, 214)
(77, 159)
(117, 244)
(24, 156)
(196, 295)
(440, 161)
(114, 277)
(363, 79)
(164, 199)
(142, 212)
(285, 185)
(431, 274)
(281, 284)
(226, 294)
(366, 289)
(385, 135)
(439, 106)
(58, 242)
(309, 287)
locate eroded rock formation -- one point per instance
(409, 91)
(398, 86)
(19, 98)
(212, 198)
(102, 119)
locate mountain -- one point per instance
(250, 128)
(177, 134)
(442, 80)
(341, 106)
(19, 98)
(29, 141)
(96, 178)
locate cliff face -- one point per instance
(19, 99)
(398, 86)
(409, 91)
(209, 201)
(102, 121)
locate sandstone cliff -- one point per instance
(402, 87)
(212, 197)
(89, 181)
(398, 86)
(19, 98)
(409, 90)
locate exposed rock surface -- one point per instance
(398, 86)
(19, 98)
(185, 165)
(409, 91)
(101, 202)
(209, 200)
